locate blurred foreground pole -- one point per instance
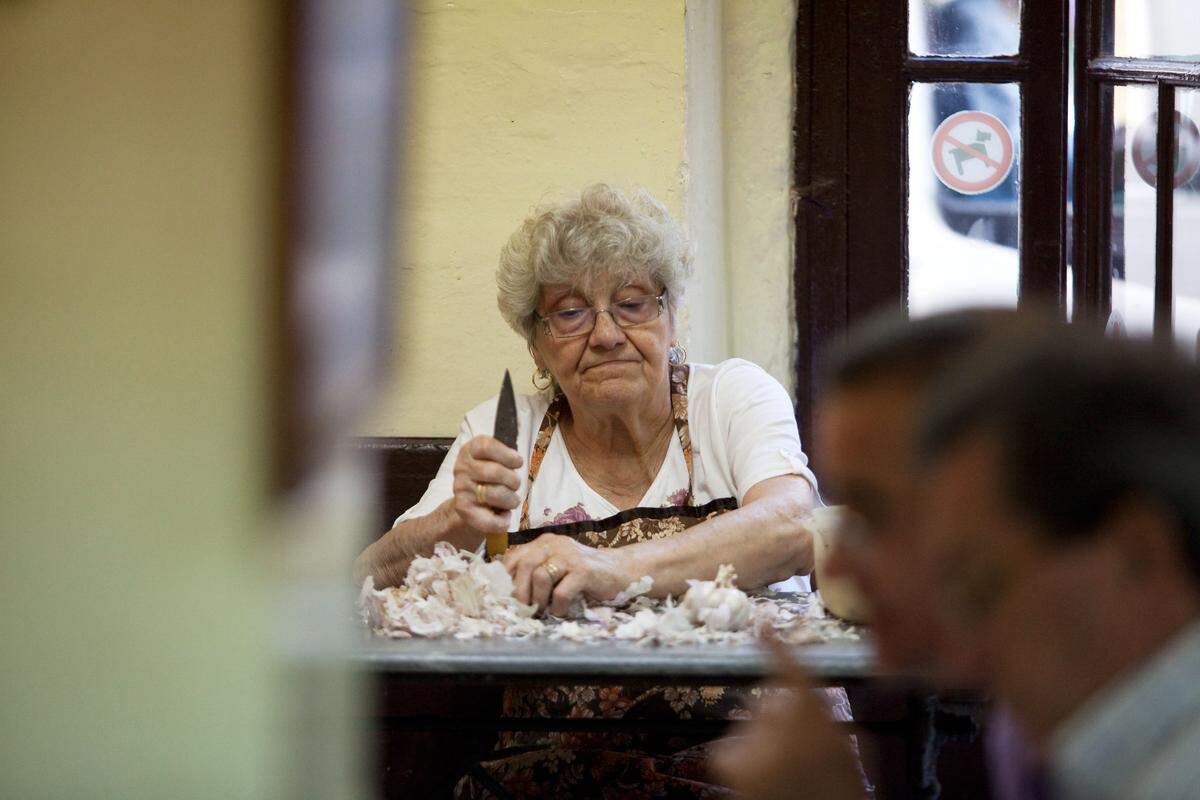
(157, 236)
(333, 289)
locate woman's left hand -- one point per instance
(552, 570)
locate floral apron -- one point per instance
(618, 765)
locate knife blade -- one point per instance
(506, 432)
(506, 414)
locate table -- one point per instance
(458, 680)
(537, 660)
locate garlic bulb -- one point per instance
(451, 593)
(454, 593)
(717, 604)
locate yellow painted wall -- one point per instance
(134, 241)
(512, 104)
(759, 101)
(135, 219)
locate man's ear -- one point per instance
(1147, 538)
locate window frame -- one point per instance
(1097, 73)
(847, 214)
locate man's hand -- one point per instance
(791, 749)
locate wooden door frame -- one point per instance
(851, 218)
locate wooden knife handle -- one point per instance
(497, 543)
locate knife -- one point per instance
(506, 432)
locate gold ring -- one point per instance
(552, 570)
(481, 494)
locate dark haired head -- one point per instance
(1081, 423)
(890, 345)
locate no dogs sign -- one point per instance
(972, 152)
(1187, 150)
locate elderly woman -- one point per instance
(630, 462)
(626, 444)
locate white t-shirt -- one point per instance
(742, 428)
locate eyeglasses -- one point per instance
(632, 311)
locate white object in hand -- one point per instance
(839, 595)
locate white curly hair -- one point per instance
(604, 234)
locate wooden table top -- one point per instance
(539, 659)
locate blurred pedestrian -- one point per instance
(866, 426)
(1063, 514)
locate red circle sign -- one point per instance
(972, 152)
(1187, 150)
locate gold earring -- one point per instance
(542, 375)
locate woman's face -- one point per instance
(611, 367)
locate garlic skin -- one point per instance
(455, 593)
(635, 589)
(673, 620)
(717, 604)
(451, 593)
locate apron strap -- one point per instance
(679, 408)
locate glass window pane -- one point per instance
(1157, 28)
(1135, 127)
(963, 202)
(964, 27)
(1186, 272)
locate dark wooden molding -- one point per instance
(1092, 194)
(876, 199)
(976, 69)
(1115, 69)
(1164, 247)
(403, 467)
(819, 279)
(1043, 196)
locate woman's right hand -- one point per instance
(485, 462)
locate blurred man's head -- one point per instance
(1062, 509)
(865, 435)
